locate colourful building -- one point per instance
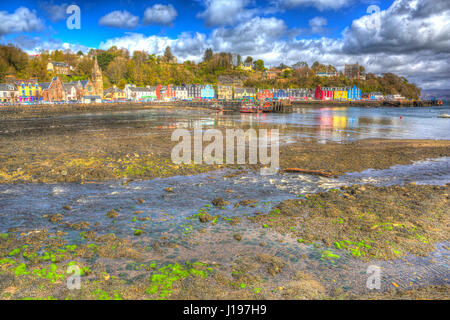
(28, 90)
(341, 94)
(281, 94)
(207, 92)
(354, 94)
(265, 95)
(114, 94)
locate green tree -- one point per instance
(259, 65)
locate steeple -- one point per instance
(97, 78)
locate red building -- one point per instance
(324, 93)
(265, 94)
(158, 92)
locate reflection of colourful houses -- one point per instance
(265, 95)
(207, 92)
(354, 94)
(281, 94)
(29, 90)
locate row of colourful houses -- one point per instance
(85, 91)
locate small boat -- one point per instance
(249, 108)
(445, 115)
(217, 107)
(267, 107)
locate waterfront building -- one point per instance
(8, 93)
(376, 96)
(28, 90)
(207, 92)
(265, 94)
(91, 99)
(181, 93)
(52, 91)
(114, 94)
(341, 94)
(194, 91)
(280, 94)
(70, 92)
(140, 93)
(224, 92)
(354, 94)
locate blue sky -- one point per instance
(411, 37)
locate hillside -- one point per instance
(141, 68)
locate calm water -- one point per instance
(325, 124)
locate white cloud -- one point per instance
(119, 19)
(225, 12)
(318, 4)
(317, 24)
(160, 14)
(55, 12)
(34, 45)
(22, 20)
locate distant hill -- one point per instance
(443, 94)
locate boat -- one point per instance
(267, 107)
(249, 108)
(217, 107)
(445, 115)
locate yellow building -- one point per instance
(114, 94)
(246, 66)
(224, 92)
(28, 90)
(341, 94)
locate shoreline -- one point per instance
(18, 111)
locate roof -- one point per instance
(59, 64)
(44, 85)
(142, 89)
(6, 87)
(91, 97)
(112, 89)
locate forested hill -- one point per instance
(120, 67)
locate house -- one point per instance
(91, 99)
(166, 93)
(280, 94)
(70, 92)
(353, 71)
(376, 96)
(52, 91)
(327, 74)
(265, 95)
(245, 93)
(354, 93)
(396, 97)
(246, 66)
(207, 92)
(58, 67)
(28, 90)
(224, 92)
(8, 93)
(140, 93)
(272, 74)
(341, 93)
(194, 91)
(114, 94)
(181, 93)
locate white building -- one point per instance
(140, 93)
(8, 93)
(70, 91)
(181, 93)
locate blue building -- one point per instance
(280, 94)
(207, 92)
(354, 94)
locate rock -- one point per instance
(54, 217)
(68, 208)
(137, 232)
(220, 202)
(237, 237)
(204, 218)
(112, 214)
(141, 200)
(168, 189)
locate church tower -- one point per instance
(97, 79)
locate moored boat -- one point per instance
(249, 108)
(267, 107)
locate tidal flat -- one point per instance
(99, 191)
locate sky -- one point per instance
(407, 37)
